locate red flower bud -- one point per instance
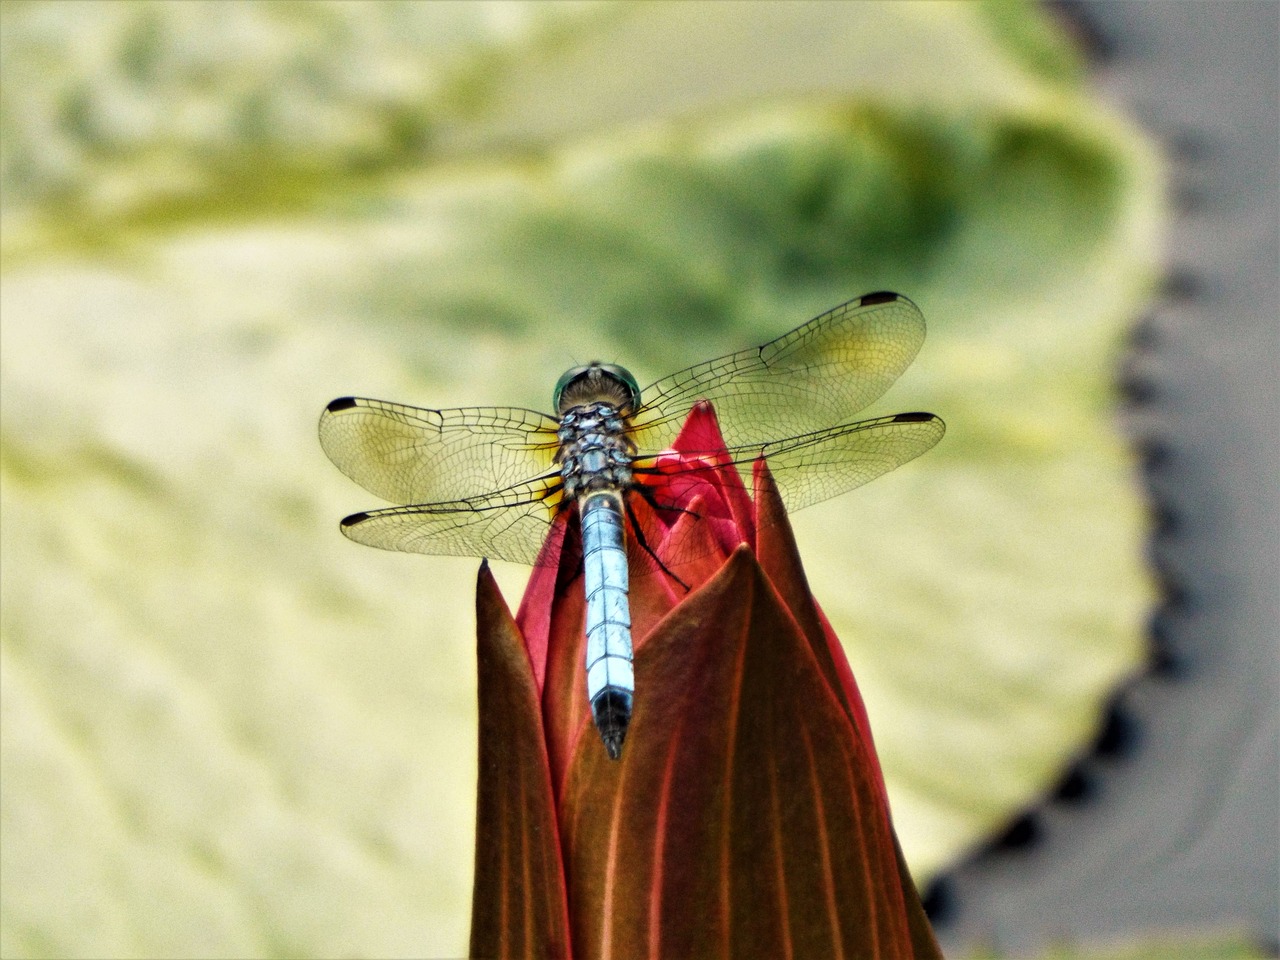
(748, 815)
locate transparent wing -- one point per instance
(512, 524)
(826, 463)
(817, 375)
(506, 525)
(408, 455)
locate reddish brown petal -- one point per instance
(743, 819)
(923, 941)
(534, 617)
(518, 908)
(780, 558)
(565, 710)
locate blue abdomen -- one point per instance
(610, 678)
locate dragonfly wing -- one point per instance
(816, 375)
(409, 455)
(826, 463)
(509, 524)
(830, 462)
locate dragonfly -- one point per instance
(491, 481)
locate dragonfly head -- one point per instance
(597, 382)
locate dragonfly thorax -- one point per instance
(595, 453)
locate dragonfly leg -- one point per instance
(651, 498)
(644, 544)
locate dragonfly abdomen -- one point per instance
(610, 677)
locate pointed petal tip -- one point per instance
(491, 607)
(485, 580)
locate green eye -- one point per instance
(566, 378)
(621, 374)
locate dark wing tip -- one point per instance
(352, 520)
(879, 296)
(342, 403)
(914, 417)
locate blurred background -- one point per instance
(229, 732)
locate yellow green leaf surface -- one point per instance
(227, 731)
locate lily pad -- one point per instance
(228, 731)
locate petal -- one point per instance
(745, 818)
(534, 618)
(700, 433)
(694, 550)
(923, 941)
(780, 558)
(653, 592)
(565, 710)
(519, 907)
(701, 437)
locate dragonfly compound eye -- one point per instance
(596, 382)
